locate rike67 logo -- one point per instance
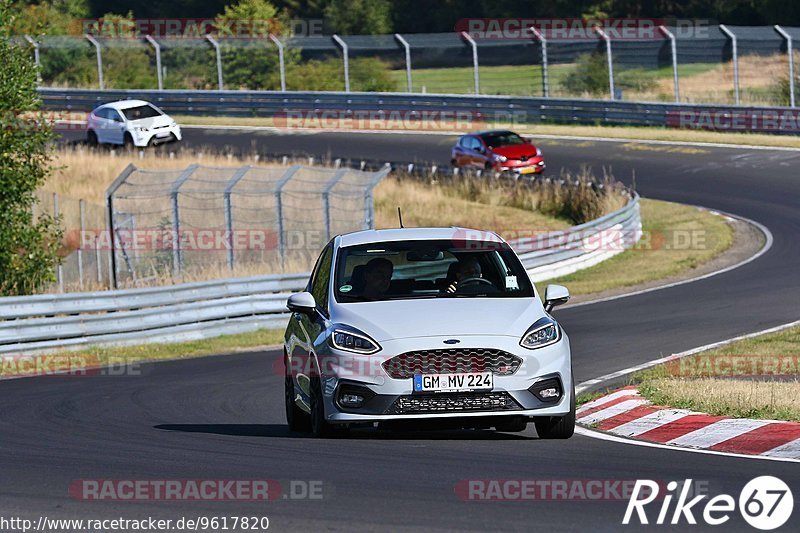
(765, 503)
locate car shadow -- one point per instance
(282, 431)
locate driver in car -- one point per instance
(377, 278)
(467, 272)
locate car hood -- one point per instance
(397, 319)
(153, 122)
(515, 151)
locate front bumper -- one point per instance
(157, 136)
(386, 398)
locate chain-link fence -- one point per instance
(191, 223)
(712, 64)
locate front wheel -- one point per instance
(320, 427)
(296, 418)
(91, 138)
(127, 142)
(558, 427)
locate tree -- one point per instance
(353, 17)
(28, 247)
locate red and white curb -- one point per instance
(626, 414)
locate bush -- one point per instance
(590, 76)
(28, 247)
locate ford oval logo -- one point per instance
(452, 341)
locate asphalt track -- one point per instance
(222, 418)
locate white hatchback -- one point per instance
(131, 123)
(440, 326)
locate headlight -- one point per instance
(538, 153)
(499, 158)
(141, 128)
(543, 333)
(351, 341)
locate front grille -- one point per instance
(450, 361)
(452, 402)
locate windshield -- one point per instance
(501, 138)
(401, 270)
(140, 112)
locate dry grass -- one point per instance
(677, 238)
(737, 380)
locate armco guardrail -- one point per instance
(206, 309)
(474, 110)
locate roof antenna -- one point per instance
(400, 216)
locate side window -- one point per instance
(477, 145)
(101, 113)
(320, 280)
(464, 142)
(114, 115)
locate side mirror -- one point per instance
(555, 295)
(301, 302)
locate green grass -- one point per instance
(707, 382)
(75, 361)
(665, 224)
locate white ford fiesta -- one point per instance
(131, 123)
(440, 327)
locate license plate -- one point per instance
(527, 170)
(453, 382)
(163, 134)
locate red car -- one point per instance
(498, 150)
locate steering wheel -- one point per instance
(473, 281)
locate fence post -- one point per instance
(369, 212)
(157, 48)
(177, 260)
(112, 255)
(59, 266)
(345, 54)
(82, 213)
(674, 48)
(291, 171)
(35, 57)
(735, 50)
(281, 60)
(607, 39)
(545, 82)
(215, 44)
(99, 59)
(474, 46)
(239, 174)
(408, 60)
(339, 174)
(791, 61)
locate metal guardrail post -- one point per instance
(474, 46)
(674, 48)
(36, 58)
(339, 174)
(177, 260)
(369, 218)
(215, 44)
(345, 54)
(59, 266)
(157, 48)
(99, 60)
(545, 81)
(82, 218)
(407, 48)
(735, 49)
(607, 39)
(291, 171)
(238, 175)
(790, 52)
(281, 60)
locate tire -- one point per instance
(127, 142)
(321, 428)
(558, 427)
(512, 424)
(297, 419)
(91, 138)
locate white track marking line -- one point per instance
(614, 410)
(586, 432)
(588, 383)
(764, 249)
(717, 432)
(651, 421)
(790, 450)
(607, 398)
